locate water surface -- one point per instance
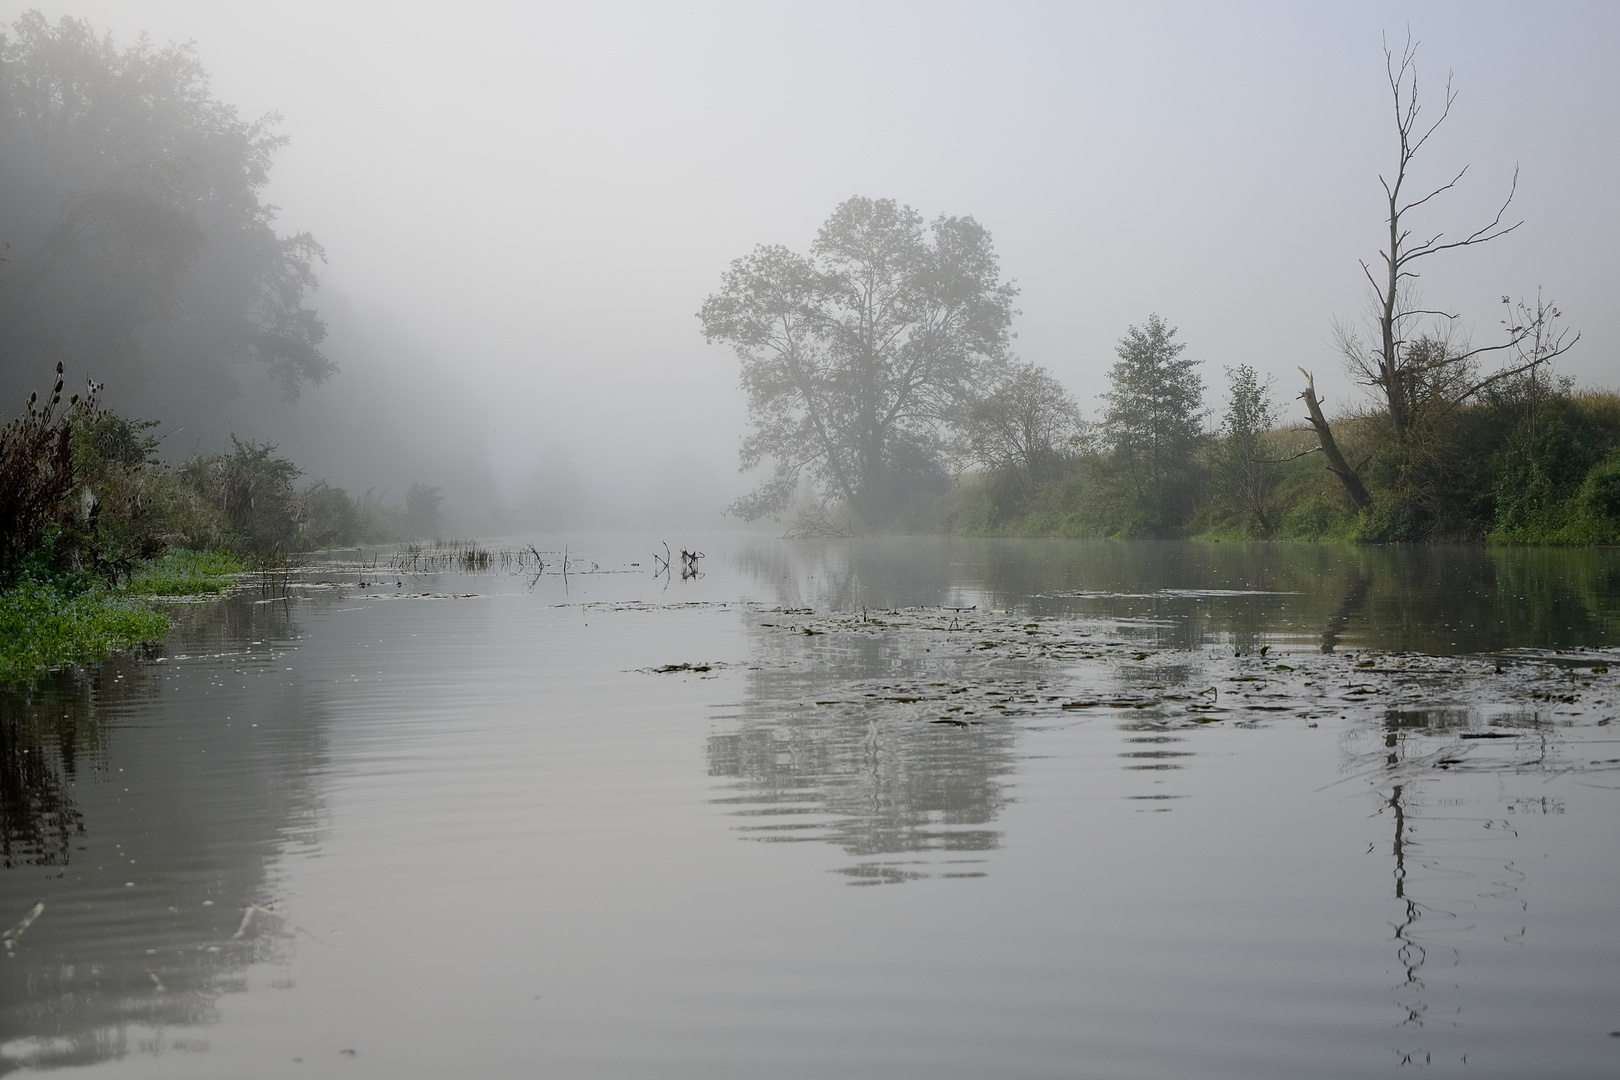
(906, 807)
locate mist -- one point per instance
(522, 207)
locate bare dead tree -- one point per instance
(1396, 305)
(1414, 362)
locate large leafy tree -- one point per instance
(861, 359)
(138, 246)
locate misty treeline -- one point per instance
(137, 245)
(884, 395)
(135, 248)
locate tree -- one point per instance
(1026, 427)
(1409, 367)
(1153, 422)
(1245, 472)
(859, 359)
(130, 200)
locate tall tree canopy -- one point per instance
(138, 248)
(860, 359)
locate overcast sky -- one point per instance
(545, 193)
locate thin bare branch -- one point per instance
(1559, 349)
(1436, 191)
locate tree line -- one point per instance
(883, 394)
(136, 247)
(136, 240)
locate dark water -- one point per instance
(916, 807)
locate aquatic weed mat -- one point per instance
(895, 734)
(943, 667)
(962, 668)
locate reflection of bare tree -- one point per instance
(1410, 953)
(1423, 749)
(830, 746)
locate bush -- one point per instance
(1316, 517)
(1600, 493)
(37, 476)
(330, 516)
(1385, 522)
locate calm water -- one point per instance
(909, 808)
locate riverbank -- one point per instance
(1501, 472)
(57, 620)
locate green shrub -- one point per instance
(1600, 493)
(1316, 517)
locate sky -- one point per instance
(545, 193)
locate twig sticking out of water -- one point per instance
(10, 936)
(252, 909)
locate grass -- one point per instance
(71, 619)
(185, 573)
(45, 625)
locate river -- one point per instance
(902, 807)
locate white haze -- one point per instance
(542, 195)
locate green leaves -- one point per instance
(43, 626)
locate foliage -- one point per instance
(331, 517)
(1028, 427)
(1245, 470)
(37, 476)
(860, 359)
(1153, 427)
(184, 573)
(45, 624)
(1534, 462)
(1553, 479)
(130, 199)
(1600, 493)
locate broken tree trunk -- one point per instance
(1330, 446)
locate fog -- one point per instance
(522, 206)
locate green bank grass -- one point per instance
(185, 573)
(46, 625)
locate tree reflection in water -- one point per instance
(1450, 894)
(1439, 731)
(825, 748)
(43, 731)
(142, 803)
